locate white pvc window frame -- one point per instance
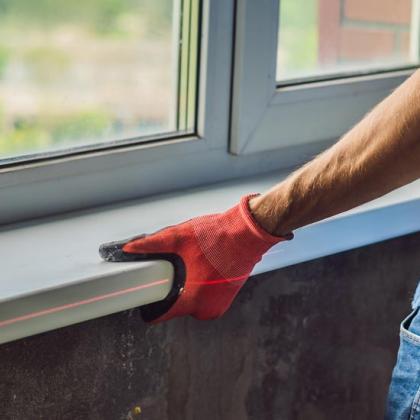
(56, 185)
(267, 117)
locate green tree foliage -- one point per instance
(299, 33)
(80, 126)
(29, 134)
(100, 15)
(4, 57)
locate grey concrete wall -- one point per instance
(313, 341)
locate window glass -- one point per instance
(80, 72)
(321, 37)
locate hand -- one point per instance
(213, 256)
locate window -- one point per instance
(142, 97)
(307, 70)
(327, 37)
(42, 181)
(95, 72)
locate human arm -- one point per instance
(379, 154)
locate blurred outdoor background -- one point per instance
(318, 37)
(83, 71)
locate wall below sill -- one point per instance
(315, 340)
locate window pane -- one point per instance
(318, 37)
(81, 72)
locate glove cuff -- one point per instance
(253, 225)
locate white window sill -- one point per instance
(52, 275)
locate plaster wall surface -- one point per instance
(313, 341)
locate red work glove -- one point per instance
(213, 256)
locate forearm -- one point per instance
(379, 154)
